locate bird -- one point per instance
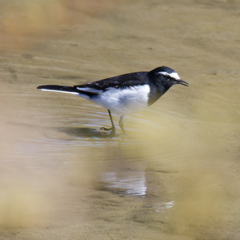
(124, 94)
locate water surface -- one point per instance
(176, 175)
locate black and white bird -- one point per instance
(126, 93)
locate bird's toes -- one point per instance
(106, 129)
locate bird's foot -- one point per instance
(106, 129)
(112, 129)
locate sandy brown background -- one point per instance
(184, 149)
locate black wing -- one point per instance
(118, 82)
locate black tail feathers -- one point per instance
(66, 89)
(58, 88)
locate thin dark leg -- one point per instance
(112, 128)
(121, 124)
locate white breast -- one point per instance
(124, 101)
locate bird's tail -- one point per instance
(56, 88)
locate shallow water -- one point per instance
(176, 175)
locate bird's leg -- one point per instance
(121, 124)
(112, 128)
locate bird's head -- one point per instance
(166, 77)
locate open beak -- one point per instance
(183, 83)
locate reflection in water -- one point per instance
(131, 183)
(162, 207)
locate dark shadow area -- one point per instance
(85, 132)
(75, 131)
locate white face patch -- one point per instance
(173, 75)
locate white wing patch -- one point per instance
(173, 75)
(91, 90)
(124, 101)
